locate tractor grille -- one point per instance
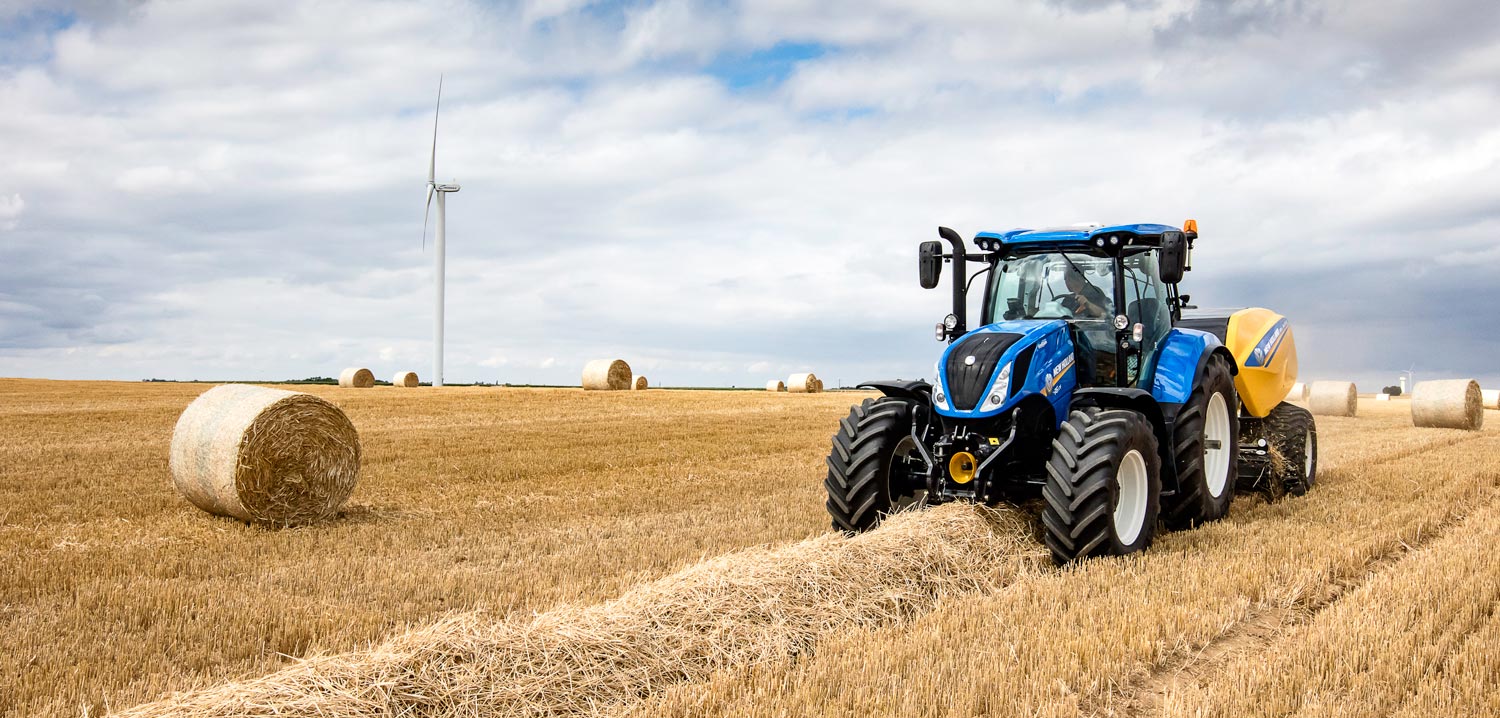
(967, 382)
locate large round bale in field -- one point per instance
(406, 379)
(606, 375)
(805, 383)
(1333, 398)
(264, 455)
(1490, 397)
(1298, 393)
(640, 384)
(1447, 404)
(357, 378)
(775, 385)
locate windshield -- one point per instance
(1061, 285)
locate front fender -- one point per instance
(917, 391)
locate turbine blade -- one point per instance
(432, 160)
(426, 209)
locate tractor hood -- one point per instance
(991, 369)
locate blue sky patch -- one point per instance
(763, 68)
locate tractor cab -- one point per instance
(1089, 290)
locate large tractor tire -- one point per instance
(1293, 434)
(1103, 486)
(1206, 450)
(874, 467)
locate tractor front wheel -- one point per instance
(1103, 486)
(874, 467)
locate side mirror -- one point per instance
(930, 263)
(1174, 255)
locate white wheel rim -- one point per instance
(904, 448)
(1307, 448)
(1130, 503)
(1216, 445)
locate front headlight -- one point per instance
(999, 391)
(939, 399)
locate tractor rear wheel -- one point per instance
(1206, 450)
(1294, 435)
(1103, 486)
(874, 467)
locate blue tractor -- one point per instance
(1084, 385)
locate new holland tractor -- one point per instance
(1085, 385)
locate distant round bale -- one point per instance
(1491, 398)
(1447, 404)
(640, 384)
(1298, 393)
(264, 455)
(775, 385)
(406, 379)
(1333, 398)
(357, 378)
(820, 386)
(606, 375)
(806, 383)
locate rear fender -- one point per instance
(1141, 402)
(1180, 360)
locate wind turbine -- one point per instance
(439, 269)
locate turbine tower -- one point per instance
(439, 268)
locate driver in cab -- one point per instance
(1084, 300)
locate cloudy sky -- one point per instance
(722, 192)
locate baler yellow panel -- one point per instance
(1261, 342)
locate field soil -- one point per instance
(1373, 595)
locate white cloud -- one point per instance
(215, 189)
(11, 207)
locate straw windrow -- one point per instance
(745, 608)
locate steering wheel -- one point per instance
(1053, 309)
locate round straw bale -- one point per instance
(820, 386)
(806, 383)
(639, 383)
(1448, 404)
(264, 455)
(1297, 393)
(1491, 398)
(405, 379)
(606, 375)
(357, 378)
(775, 385)
(1333, 398)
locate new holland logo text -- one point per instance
(1056, 374)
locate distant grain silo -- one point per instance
(606, 375)
(1333, 398)
(405, 379)
(264, 455)
(805, 383)
(1448, 404)
(357, 378)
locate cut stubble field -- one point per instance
(1373, 595)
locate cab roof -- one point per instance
(1073, 235)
